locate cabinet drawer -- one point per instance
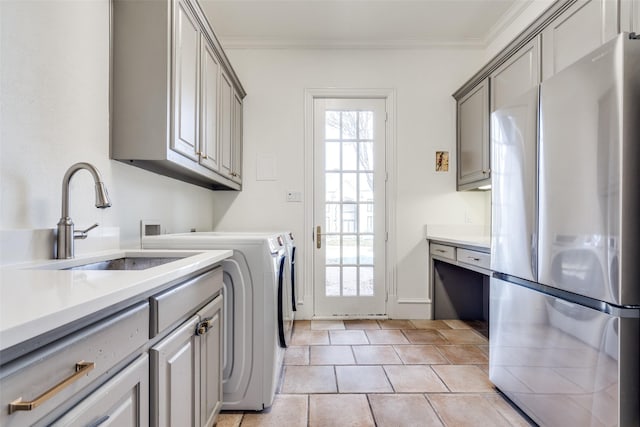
(479, 259)
(183, 300)
(104, 344)
(443, 251)
(123, 401)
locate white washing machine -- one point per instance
(288, 293)
(254, 297)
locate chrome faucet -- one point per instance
(66, 233)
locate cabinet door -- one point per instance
(123, 401)
(236, 164)
(175, 380)
(210, 71)
(473, 138)
(630, 15)
(186, 54)
(211, 362)
(226, 125)
(577, 31)
(519, 74)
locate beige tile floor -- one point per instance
(384, 373)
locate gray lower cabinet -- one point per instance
(473, 165)
(175, 373)
(581, 28)
(186, 368)
(211, 355)
(172, 93)
(121, 402)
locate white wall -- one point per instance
(424, 80)
(54, 111)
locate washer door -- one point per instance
(285, 318)
(293, 278)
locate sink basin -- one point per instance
(126, 263)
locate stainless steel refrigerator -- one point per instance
(565, 251)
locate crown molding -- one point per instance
(280, 43)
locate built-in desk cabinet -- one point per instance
(459, 281)
(176, 100)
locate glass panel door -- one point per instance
(349, 148)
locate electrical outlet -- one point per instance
(294, 196)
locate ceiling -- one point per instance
(359, 23)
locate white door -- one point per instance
(349, 207)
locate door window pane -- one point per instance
(350, 281)
(349, 187)
(349, 218)
(365, 124)
(332, 187)
(365, 156)
(332, 247)
(366, 281)
(333, 218)
(349, 156)
(349, 124)
(332, 125)
(349, 250)
(366, 249)
(366, 187)
(332, 281)
(365, 224)
(332, 156)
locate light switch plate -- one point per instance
(294, 196)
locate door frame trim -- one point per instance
(389, 95)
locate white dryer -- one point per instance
(254, 297)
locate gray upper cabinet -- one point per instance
(236, 153)
(186, 58)
(630, 15)
(473, 138)
(167, 92)
(578, 30)
(517, 75)
(210, 71)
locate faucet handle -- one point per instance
(82, 234)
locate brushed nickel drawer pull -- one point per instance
(442, 251)
(473, 258)
(82, 368)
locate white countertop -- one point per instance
(37, 297)
(477, 241)
(459, 234)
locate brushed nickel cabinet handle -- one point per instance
(318, 237)
(473, 258)
(442, 251)
(81, 368)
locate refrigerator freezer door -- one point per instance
(560, 362)
(589, 166)
(513, 193)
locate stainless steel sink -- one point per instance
(126, 263)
